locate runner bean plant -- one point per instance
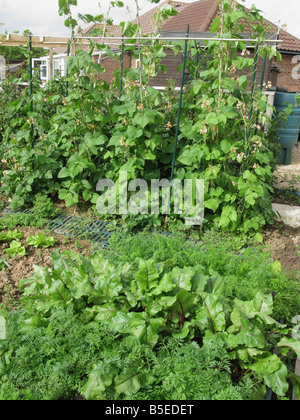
(74, 137)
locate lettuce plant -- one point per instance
(10, 235)
(40, 240)
(15, 249)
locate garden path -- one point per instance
(288, 176)
(283, 240)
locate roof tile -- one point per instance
(199, 15)
(146, 20)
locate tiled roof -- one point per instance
(146, 20)
(290, 42)
(110, 32)
(110, 29)
(199, 16)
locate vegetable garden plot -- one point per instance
(97, 231)
(143, 320)
(145, 301)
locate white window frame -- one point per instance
(60, 61)
(43, 62)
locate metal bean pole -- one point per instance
(178, 122)
(261, 86)
(251, 112)
(252, 96)
(30, 72)
(31, 98)
(67, 71)
(122, 67)
(31, 88)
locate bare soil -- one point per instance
(21, 267)
(283, 242)
(288, 176)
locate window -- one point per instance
(43, 70)
(42, 64)
(57, 68)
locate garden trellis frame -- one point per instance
(51, 42)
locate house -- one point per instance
(199, 16)
(47, 71)
(289, 75)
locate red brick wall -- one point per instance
(290, 76)
(259, 70)
(111, 65)
(171, 61)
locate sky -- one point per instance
(41, 16)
